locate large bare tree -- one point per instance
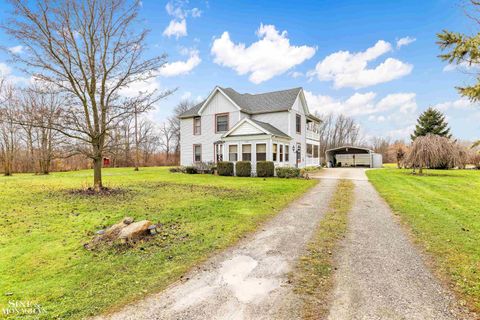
(90, 50)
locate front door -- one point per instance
(298, 154)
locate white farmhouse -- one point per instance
(231, 126)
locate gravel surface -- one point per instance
(380, 273)
(248, 281)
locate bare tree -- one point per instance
(381, 145)
(167, 133)
(9, 129)
(174, 122)
(90, 50)
(338, 131)
(398, 151)
(431, 151)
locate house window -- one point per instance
(286, 152)
(298, 123)
(218, 152)
(315, 151)
(197, 126)
(309, 150)
(247, 152)
(281, 152)
(221, 122)
(261, 152)
(233, 152)
(197, 153)
(274, 152)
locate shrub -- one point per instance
(176, 169)
(225, 168)
(475, 159)
(204, 167)
(243, 169)
(288, 172)
(265, 169)
(190, 170)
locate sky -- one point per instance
(375, 61)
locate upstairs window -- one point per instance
(197, 126)
(247, 152)
(298, 123)
(221, 122)
(261, 152)
(197, 153)
(274, 152)
(232, 152)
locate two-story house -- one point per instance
(231, 126)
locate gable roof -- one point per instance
(264, 127)
(253, 103)
(271, 129)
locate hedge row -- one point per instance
(244, 169)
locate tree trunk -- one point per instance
(137, 156)
(97, 174)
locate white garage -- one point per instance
(349, 156)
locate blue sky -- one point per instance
(374, 60)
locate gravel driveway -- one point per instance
(248, 281)
(380, 274)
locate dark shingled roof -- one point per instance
(255, 103)
(273, 130)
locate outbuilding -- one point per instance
(350, 156)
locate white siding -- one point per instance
(218, 104)
(246, 129)
(277, 119)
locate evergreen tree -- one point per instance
(431, 121)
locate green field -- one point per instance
(442, 209)
(43, 228)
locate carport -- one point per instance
(349, 156)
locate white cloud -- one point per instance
(401, 133)
(181, 67)
(296, 74)
(16, 49)
(462, 66)
(5, 70)
(176, 28)
(146, 86)
(461, 104)
(270, 56)
(362, 104)
(405, 41)
(347, 69)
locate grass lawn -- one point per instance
(443, 211)
(312, 277)
(43, 228)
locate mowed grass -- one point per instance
(442, 209)
(43, 228)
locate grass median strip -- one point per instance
(312, 277)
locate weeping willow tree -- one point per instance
(432, 151)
